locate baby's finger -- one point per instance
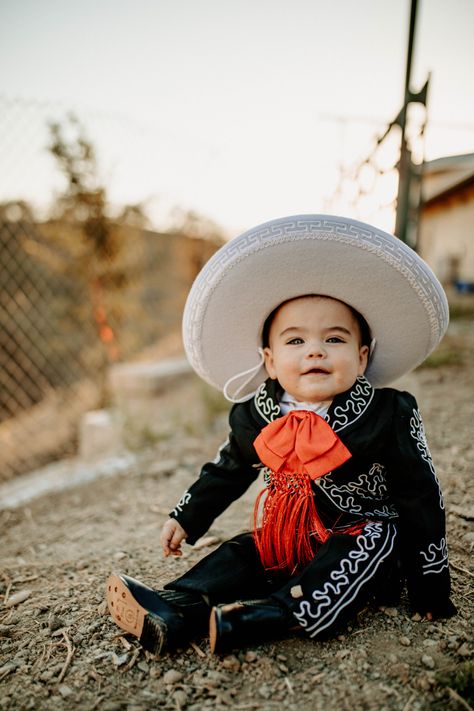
(165, 543)
(175, 543)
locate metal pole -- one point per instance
(404, 169)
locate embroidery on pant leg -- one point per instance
(436, 557)
(373, 546)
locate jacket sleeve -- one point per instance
(220, 482)
(417, 496)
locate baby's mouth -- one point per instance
(316, 371)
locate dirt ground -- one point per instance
(60, 650)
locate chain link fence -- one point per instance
(58, 332)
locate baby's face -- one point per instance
(314, 348)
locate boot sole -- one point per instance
(134, 619)
(213, 630)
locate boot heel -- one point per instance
(126, 612)
(239, 624)
(159, 619)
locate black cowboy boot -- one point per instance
(239, 624)
(161, 619)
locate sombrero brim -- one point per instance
(377, 274)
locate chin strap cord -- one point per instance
(251, 372)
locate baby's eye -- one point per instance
(295, 341)
(335, 339)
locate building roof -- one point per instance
(446, 175)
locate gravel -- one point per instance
(60, 650)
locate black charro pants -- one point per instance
(345, 573)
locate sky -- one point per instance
(243, 110)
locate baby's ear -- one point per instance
(363, 359)
(269, 364)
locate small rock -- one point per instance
(119, 659)
(428, 661)
(102, 609)
(55, 623)
(120, 555)
(180, 698)
(430, 643)
(251, 656)
(46, 675)
(264, 691)
(18, 598)
(423, 683)
(216, 675)
(65, 691)
(464, 650)
(172, 676)
(405, 641)
(400, 671)
(7, 668)
(143, 666)
(416, 617)
(231, 662)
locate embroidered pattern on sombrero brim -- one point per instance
(297, 228)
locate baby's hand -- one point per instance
(172, 534)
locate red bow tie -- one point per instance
(301, 442)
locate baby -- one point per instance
(351, 508)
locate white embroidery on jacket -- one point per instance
(218, 456)
(417, 431)
(359, 399)
(185, 499)
(373, 546)
(436, 557)
(265, 405)
(365, 486)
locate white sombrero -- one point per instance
(377, 274)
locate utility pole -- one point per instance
(404, 169)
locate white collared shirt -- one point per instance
(288, 403)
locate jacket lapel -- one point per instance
(350, 406)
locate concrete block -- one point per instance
(147, 398)
(99, 435)
(144, 380)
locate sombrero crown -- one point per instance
(371, 270)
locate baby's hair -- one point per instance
(365, 335)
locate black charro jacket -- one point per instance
(390, 476)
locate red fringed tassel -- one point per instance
(290, 528)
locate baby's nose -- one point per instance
(315, 349)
